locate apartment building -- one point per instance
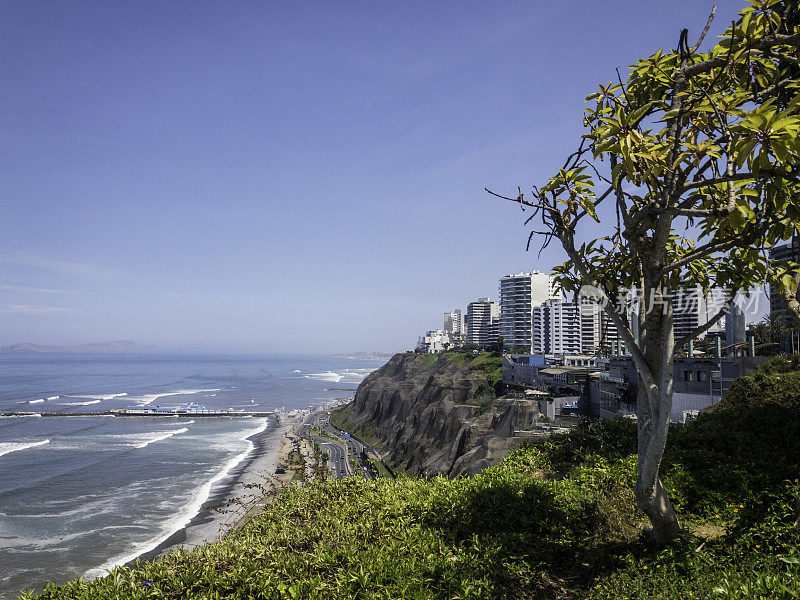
(482, 322)
(557, 328)
(454, 322)
(519, 295)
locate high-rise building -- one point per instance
(519, 294)
(734, 328)
(557, 328)
(454, 321)
(482, 322)
(591, 316)
(599, 333)
(692, 308)
(609, 332)
(779, 255)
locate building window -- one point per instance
(688, 376)
(702, 376)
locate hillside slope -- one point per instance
(554, 520)
(437, 414)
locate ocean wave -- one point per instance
(183, 518)
(35, 401)
(150, 398)
(326, 376)
(160, 435)
(297, 371)
(346, 376)
(98, 396)
(87, 403)
(20, 416)
(52, 397)
(9, 447)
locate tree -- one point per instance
(698, 155)
(769, 333)
(498, 345)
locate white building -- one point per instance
(591, 315)
(519, 295)
(436, 341)
(557, 328)
(483, 318)
(454, 322)
(598, 332)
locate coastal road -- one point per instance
(344, 453)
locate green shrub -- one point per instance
(555, 520)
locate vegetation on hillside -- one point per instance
(489, 368)
(486, 367)
(554, 520)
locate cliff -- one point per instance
(438, 414)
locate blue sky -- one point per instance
(278, 177)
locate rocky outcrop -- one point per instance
(422, 412)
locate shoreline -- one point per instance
(230, 502)
(210, 525)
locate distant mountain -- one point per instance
(118, 347)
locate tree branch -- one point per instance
(705, 31)
(715, 180)
(703, 328)
(763, 44)
(709, 248)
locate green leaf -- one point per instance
(744, 150)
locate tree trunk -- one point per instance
(655, 503)
(654, 405)
(651, 496)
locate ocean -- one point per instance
(81, 494)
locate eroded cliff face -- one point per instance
(422, 412)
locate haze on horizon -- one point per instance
(271, 177)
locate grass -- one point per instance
(426, 359)
(554, 520)
(489, 368)
(340, 421)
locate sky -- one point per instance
(281, 177)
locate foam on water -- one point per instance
(150, 398)
(20, 416)
(52, 397)
(161, 435)
(36, 401)
(98, 396)
(87, 403)
(9, 447)
(39, 543)
(326, 376)
(183, 518)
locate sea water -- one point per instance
(80, 494)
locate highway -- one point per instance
(345, 455)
